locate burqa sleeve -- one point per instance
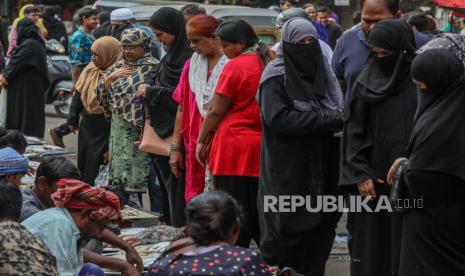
(75, 109)
(162, 109)
(279, 113)
(357, 146)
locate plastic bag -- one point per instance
(3, 95)
(102, 178)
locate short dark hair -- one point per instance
(11, 201)
(392, 5)
(32, 9)
(193, 9)
(13, 139)
(323, 9)
(56, 168)
(86, 13)
(307, 6)
(104, 17)
(210, 217)
(419, 21)
(293, 2)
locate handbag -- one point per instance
(152, 143)
(399, 189)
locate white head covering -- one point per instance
(122, 14)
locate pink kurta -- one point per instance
(191, 123)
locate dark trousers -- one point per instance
(244, 190)
(172, 192)
(154, 190)
(62, 130)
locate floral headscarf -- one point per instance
(136, 37)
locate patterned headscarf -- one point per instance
(75, 194)
(452, 42)
(11, 162)
(118, 100)
(136, 37)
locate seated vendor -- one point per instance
(213, 227)
(81, 212)
(39, 198)
(13, 166)
(48, 173)
(13, 139)
(20, 252)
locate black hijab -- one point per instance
(30, 51)
(382, 77)
(437, 142)
(27, 29)
(172, 21)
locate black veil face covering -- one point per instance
(304, 70)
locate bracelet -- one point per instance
(175, 147)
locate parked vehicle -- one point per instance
(262, 20)
(59, 93)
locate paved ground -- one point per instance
(338, 263)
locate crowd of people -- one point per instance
(212, 122)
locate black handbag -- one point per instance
(399, 189)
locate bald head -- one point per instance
(377, 10)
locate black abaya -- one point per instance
(160, 105)
(377, 132)
(433, 243)
(26, 74)
(297, 158)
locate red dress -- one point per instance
(191, 123)
(236, 146)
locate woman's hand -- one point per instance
(198, 153)
(141, 91)
(393, 170)
(176, 163)
(120, 73)
(367, 187)
(3, 81)
(106, 156)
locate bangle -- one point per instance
(175, 147)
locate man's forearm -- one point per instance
(111, 238)
(104, 261)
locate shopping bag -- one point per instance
(152, 143)
(3, 95)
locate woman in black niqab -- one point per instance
(295, 137)
(26, 75)
(379, 121)
(432, 235)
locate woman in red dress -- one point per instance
(235, 150)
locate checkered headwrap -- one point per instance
(11, 162)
